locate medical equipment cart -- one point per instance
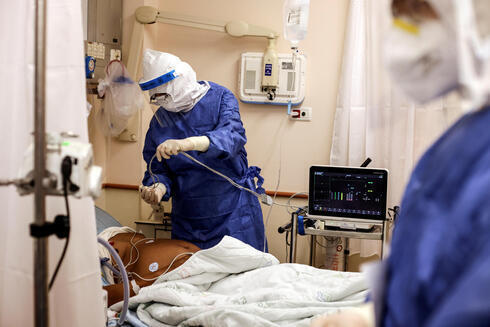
(302, 224)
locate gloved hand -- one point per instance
(173, 147)
(153, 194)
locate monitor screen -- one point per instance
(348, 192)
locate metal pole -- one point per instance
(293, 239)
(346, 253)
(41, 317)
(294, 231)
(384, 229)
(312, 250)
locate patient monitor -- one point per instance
(347, 198)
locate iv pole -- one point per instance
(41, 316)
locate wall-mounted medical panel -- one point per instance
(292, 81)
(103, 32)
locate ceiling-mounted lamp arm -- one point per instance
(239, 28)
(270, 79)
(150, 15)
(190, 21)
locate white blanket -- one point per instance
(232, 284)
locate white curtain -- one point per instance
(76, 298)
(372, 118)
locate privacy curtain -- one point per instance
(75, 299)
(373, 119)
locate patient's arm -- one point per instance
(115, 293)
(362, 316)
(154, 259)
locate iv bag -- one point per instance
(295, 21)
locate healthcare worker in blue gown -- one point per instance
(438, 271)
(202, 119)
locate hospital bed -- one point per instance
(233, 284)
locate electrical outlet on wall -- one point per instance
(302, 113)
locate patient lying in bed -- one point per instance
(233, 284)
(146, 259)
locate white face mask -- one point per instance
(160, 100)
(422, 59)
(180, 101)
(181, 93)
(470, 20)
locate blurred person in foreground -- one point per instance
(438, 272)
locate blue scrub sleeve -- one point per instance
(226, 140)
(159, 169)
(469, 302)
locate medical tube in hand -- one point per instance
(153, 194)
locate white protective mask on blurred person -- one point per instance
(421, 59)
(172, 83)
(469, 21)
(434, 57)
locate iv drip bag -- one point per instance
(295, 20)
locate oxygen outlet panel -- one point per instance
(301, 113)
(291, 86)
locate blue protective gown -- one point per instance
(205, 207)
(439, 266)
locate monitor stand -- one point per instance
(348, 225)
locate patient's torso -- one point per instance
(148, 258)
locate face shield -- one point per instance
(158, 86)
(171, 83)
